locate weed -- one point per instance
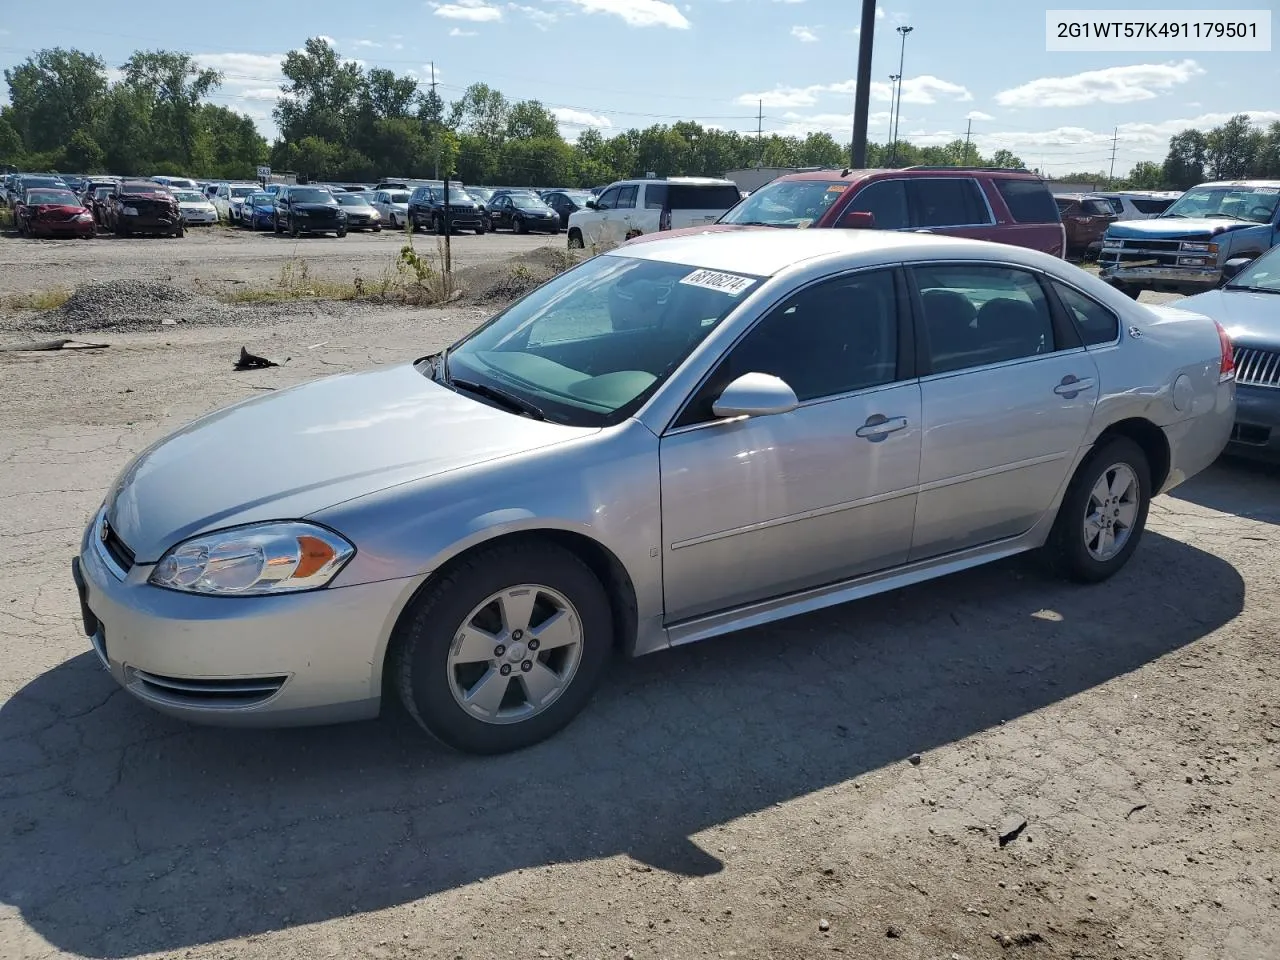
(38, 300)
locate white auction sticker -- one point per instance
(729, 283)
(1166, 31)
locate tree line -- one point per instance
(338, 120)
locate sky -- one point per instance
(616, 64)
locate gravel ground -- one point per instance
(213, 259)
(834, 786)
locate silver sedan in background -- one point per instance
(667, 442)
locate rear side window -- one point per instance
(1096, 323)
(947, 202)
(1097, 208)
(709, 196)
(1151, 206)
(1029, 201)
(655, 196)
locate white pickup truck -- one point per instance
(630, 208)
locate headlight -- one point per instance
(278, 557)
(84, 216)
(1110, 244)
(131, 211)
(1188, 246)
(375, 215)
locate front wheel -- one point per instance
(520, 226)
(506, 649)
(341, 234)
(1103, 513)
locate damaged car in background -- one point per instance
(143, 206)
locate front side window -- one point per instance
(627, 197)
(1261, 276)
(590, 346)
(980, 314)
(1095, 322)
(787, 203)
(886, 201)
(608, 200)
(947, 202)
(834, 337)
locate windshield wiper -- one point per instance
(1229, 216)
(751, 223)
(508, 400)
(1249, 289)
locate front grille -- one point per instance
(242, 692)
(463, 211)
(1257, 368)
(117, 548)
(1162, 253)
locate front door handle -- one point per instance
(878, 427)
(1071, 386)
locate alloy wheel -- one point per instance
(1111, 511)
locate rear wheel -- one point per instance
(506, 649)
(575, 239)
(1103, 513)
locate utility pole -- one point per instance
(437, 137)
(902, 59)
(1115, 137)
(967, 131)
(893, 110)
(759, 134)
(862, 93)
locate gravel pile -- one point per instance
(502, 281)
(124, 305)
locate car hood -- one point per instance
(1173, 228)
(314, 207)
(692, 231)
(290, 454)
(195, 205)
(1250, 319)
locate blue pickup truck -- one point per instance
(1184, 249)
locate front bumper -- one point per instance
(198, 219)
(1256, 433)
(1172, 279)
(293, 659)
(65, 229)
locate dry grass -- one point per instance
(38, 300)
(6, 218)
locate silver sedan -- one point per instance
(667, 442)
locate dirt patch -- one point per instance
(502, 281)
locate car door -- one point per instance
(953, 206)
(1007, 394)
(595, 223)
(885, 200)
(622, 222)
(759, 507)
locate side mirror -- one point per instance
(591, 205)
(858, 220)
(1233, 267)
(755, 395)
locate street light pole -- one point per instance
(893, 102)
(902, 58)
(862, 93)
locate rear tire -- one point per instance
(1110, 493)
(431, 682)
(575, 239)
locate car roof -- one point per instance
(768, 252)
(1240, 183)
(689, 181)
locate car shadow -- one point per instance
(126, 832)
(1245, 488)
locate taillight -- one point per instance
(664, 220)
(1227, 368)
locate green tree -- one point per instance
(1266, 163)
(1230, 149)
(321, 94)
(10, 142)
(542, 161)
(1146, 176)
(82, 154)
(52, 94)
(235, 148)
(173, 86)
(530, 120)
(1184, 166)
(1006, 158)
(821, 150)
(481, 112)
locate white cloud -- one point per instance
(327, 39)
(784, 97)
(580, 119)
(367, 43)
(539, 16)
(839, 125)
(926, 89)
(1142, 81)
(788, 1)
(459, 32)
(978, 115)
(474, 11)
(804, 35)
(638, 13)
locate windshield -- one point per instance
(190, 196)
(1262, 274)
(52, 196)
(399, 196)
(1256, 204)
(480, 193)
(144, 189)
(351, 200)
(787, 203)
(590, 346)
(311, 196)
(242, 191)
(29, 182)
(260, 199)
(529, 203)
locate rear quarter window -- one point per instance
(685, 196)
(1151, 206)
(1029, 201)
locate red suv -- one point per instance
(982, 203)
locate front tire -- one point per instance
(519, 226)
(341, 234)
(1103, 513)
(504, 650)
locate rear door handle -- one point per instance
(878, 427)
(1072, 386)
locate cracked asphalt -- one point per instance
(752, 796)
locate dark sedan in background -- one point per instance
(1248, 308)
(308, 210)
(21, 184)
(51, 212)
(565, 202)
(144, 206)
(522, 212)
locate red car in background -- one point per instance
(48, 212)
(980, 203)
